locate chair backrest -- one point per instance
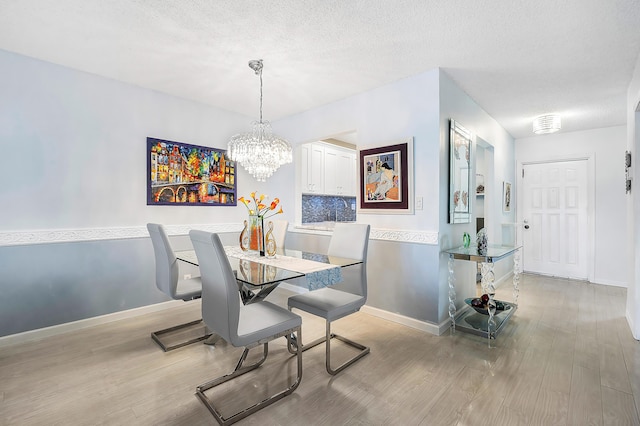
(351, 240)
(166, 263)
(220, 295)
(280, 232)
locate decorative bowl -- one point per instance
(500, 306)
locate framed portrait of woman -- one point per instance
(386, 178)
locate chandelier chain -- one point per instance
(261, 95)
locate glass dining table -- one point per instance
(257, 276)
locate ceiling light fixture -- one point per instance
(547, 123)
(260, 152)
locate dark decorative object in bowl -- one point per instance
(481, 307)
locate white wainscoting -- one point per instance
(46, 236)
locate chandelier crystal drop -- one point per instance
(260, 152)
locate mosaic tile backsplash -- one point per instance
(322, 208)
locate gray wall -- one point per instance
(49, 284)
(395, 283)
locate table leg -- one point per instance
(452, 296)
(488, 287)
(516, 276)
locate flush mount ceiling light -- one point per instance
(547, 123)
(260, 152)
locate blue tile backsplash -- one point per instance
(322, 208)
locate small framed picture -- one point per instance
(506, 196)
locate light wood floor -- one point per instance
(566, 358)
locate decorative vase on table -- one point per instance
(244, 237)
(256, 234)
(253, 237)
(466, 240)
(481, 240)
(270, 241)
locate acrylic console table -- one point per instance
(468, 320)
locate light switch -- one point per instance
(418, 203)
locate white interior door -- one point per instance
(555, 218)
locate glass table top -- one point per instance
(493, 253)
(259, 274)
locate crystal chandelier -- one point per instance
(260, 152)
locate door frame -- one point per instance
(591, 198)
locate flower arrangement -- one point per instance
(256, 207)
(253, 237)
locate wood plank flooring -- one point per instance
(567, 357)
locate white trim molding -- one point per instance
(54, 330)
(47, 236)
(435, 329)
(405, 236)
(396, 235)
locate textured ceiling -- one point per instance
(517, 59)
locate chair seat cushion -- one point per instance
(189, 289)
(262, 320)
(328, 303)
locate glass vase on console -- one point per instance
(256, 234)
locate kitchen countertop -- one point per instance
(319, 226)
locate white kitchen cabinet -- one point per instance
(328, 170)
(339, 172)
(312, 157)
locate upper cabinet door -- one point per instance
(312, 168)
(331, 171)
(339, 172)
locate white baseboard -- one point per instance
(31, 335)
(503, 279)
(635, 332)
(292, 288)
(401, 319)
(610, 282)
(54, 330)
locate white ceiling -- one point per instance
(517, 59)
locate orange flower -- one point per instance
(260, 208)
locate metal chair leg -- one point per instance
(156, 336)
(240, 370)
(364, 350)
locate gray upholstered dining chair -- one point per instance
(349, 240)
(241, 325)
(167, 281)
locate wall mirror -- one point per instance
(485, 190)
(459, 174)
